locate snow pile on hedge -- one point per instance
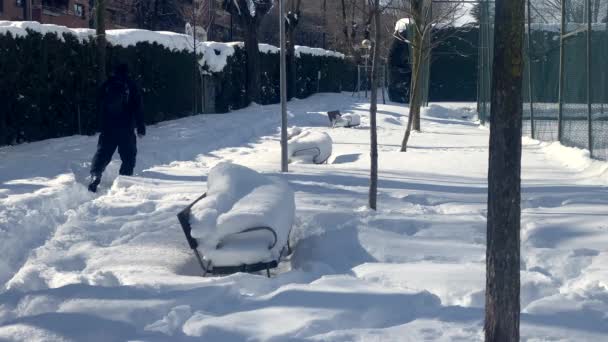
(316, 52)
(239, 198)
(348, 120)
(20, 29)
(214, 55)
(310, 147)
(267, 48)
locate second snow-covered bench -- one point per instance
(309, 146)
(242, 223)
(336, 119)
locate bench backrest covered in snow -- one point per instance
(245, 217)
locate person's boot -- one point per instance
(95, 180)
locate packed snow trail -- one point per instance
(116, 266)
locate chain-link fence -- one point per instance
(566, 74)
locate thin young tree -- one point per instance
(504, 175)
(373, 108)
(249, 15)
(423, 17)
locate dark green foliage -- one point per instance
(48, 85)
(308, 81)
(232, 81)
(453, 67)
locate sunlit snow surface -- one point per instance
(115, 266)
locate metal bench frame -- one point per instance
(208, 268)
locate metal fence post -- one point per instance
(530, 82)
(283, 76)
(589, 99)
(562, 62)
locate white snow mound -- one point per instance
(310, 147)
(239, 198)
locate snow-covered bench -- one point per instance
(242, 223)
(309, 146)
(336, 119)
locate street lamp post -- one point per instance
(367, 44)
(284, 157)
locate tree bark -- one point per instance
(253, 61)
(414, 91)
(349, 46)
(291, 64)
(502, 310)
(100, 25)
(291, 24)
(373, 109)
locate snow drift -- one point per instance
(309, 146)
(239, 198)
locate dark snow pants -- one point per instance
(106, 146)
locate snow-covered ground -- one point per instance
(115, 266)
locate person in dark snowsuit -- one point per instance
(121, 113)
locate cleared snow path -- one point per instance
(115, 266)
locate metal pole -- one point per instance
(195, 66)
(530, 82)
(284, 157)
(365, 74)
(562, 65)
(383, 84)
(589, 99)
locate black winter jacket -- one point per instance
(120, 107)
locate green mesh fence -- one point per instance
(566, 73)
(486, 48)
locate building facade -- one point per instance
(71, 13)
(143, 14)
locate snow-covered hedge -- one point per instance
(239, 198)
(48, 76)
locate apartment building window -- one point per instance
(1, 6)
(79, 10)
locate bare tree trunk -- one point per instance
(293, 18)
(100, 24)
(253, 61)
(291, 63)
(154, 25)
(373, 109)
(347, 41)
(415, 98)
(504, 176)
